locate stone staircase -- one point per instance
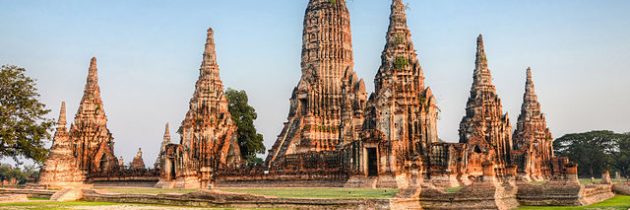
(67, 194)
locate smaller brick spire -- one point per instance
(61, 122)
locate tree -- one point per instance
(621, 154)
(249, 140)
(23, 125)
(595, 151)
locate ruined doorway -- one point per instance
(372, 162)
(171, 169)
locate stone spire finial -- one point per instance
(482, 75)
(167, 133)
(61, 123)
(209, 54)
(529, 84)
(92, 79)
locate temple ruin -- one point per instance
(61, 167)
(208, 134)
(335, 136)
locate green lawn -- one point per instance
(619, 202)
(41, 205)
(331, 193)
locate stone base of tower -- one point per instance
(562, 193)
(191, 182)
(381, 181)
(60, 185)
(487, 194)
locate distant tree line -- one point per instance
(20, 174)
(596, 151)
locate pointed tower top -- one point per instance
(61, 123)
(167, 133)
(92, 79)
(482, 76)
(530, 91)
(209, 54)
(481, 60)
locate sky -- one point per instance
(149, 53)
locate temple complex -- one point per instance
(533, 146)
(93, 143)
(208, 134)
(61, 167)
(138, 163)
(335, 136)
(327, 105)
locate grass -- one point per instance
(330, 193)
(37, 205)
(454, 189)
(616, 203)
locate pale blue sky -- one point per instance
(149, 53)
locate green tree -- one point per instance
(620, 154)
(593, 151)
(23, 125)
(249, 140)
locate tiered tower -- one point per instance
(165, 141)
(137, 163)
(327, 104)
(61, 167)
(485, 128)
(93, 143)
(532, 139)
(208, 134)
(405, 111)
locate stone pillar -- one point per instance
(606, 177)
(488, 171)
(511, 171)
(572, 172)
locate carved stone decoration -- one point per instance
(93, 142)
(485, 128)
(532, 139)
(61, 167)
(327, 104)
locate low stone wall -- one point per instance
(6, 198)
(553, 193)
(479, 195)
(287, 180)
(561, 193)
(622, 188)
(233, 200)
(124, 183)
(596, 193)
(31, 193)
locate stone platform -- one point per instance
(235, 200)
(562, 193)
(8, 198)
(479, 195)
